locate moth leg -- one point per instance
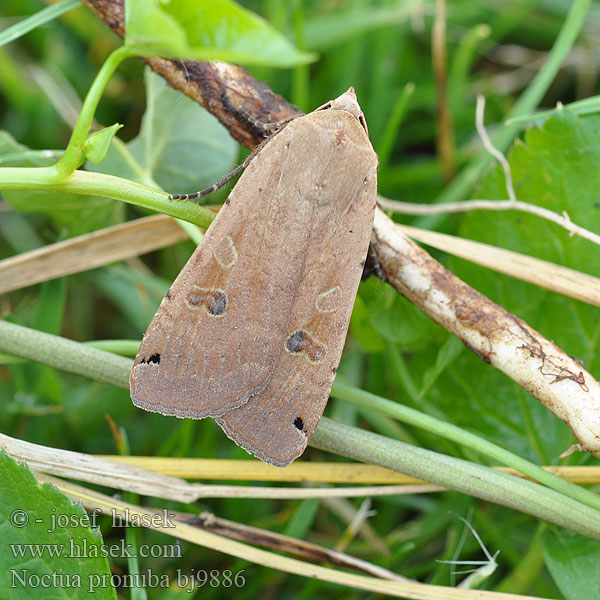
(372, 266)
(276, 126)
(269, 127)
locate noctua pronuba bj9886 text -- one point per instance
(252, 330)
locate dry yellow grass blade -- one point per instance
(533, 270)
(417, 591)
(127, 477)
(354, 473)
(89, 251)
(144, 235)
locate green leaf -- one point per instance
(150, 30)
(573, 563)
(97, 145)
(49, 548)
(207, 30)
(181, 147)
(362, 330)
(51, 306)
(303, 518)
(393, 318)
(121, 285)
(13, 154)
(556, 168)
(74, 213)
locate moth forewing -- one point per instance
(277, 424)
(252, 330)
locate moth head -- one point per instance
(347, 101)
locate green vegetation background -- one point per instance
(393, 350)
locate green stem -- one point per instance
(108, 186)
(468, 177)
(411, 416)
(73, 156)
(585, 106)
(461, 475)
(195, 234)
(64, 354)
(453, 473)
(462, 61)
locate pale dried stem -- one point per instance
(94, 501)
(487, 143)
(119, 475)
(346, 511)
(498, 337)
(550, 276)
(277, 541)
(89, 251)
(152, 233)
(357, 522)
(410, 208)
(300, 471)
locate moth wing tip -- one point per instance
(280, 460)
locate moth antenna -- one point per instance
(216, 186)
(227, 178)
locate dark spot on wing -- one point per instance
(302, 342)
(154, 359)
(295, 342)
(299, 423)
(214, 301)
(217, 305)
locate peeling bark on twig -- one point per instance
(497, 336)
(246, 107)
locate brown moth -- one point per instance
(252, 330)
